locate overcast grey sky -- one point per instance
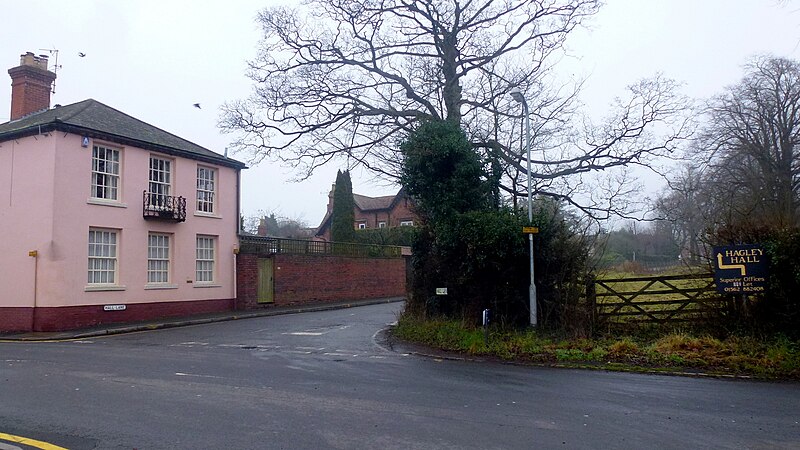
(154, 59)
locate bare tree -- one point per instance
(684, 207)
(350, 78)
(754, 139)
(272, 225)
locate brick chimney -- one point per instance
(262, 227)
(330, 197)
(31, 84)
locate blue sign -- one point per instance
(740, 269)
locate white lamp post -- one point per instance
(518, 96)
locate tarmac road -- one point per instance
(324, 380)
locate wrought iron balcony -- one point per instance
(163, 207)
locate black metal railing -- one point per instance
(258, 244)
(163, 207)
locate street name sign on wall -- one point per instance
(740, 269)
(114, 307)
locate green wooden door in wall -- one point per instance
(266, 293)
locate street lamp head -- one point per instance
(517, 95)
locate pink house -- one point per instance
(105, 218)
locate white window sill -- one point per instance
(160, 286)
(207, 285)
(104, 287)
(104, 202)
(205, 214)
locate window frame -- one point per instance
(362, 225)
(112, 180)
(164, 259)
(381, 224)
(113, 279)
(159, 199)
(406, 223)
(205, 261)
(202, 191)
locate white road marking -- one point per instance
(4, 446)
(298, 368)
(313, 332)
(181, 374)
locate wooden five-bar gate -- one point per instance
(655, 299)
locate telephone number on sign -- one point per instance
(745, 289)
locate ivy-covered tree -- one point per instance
(342, 216)
(442, 173)
(477, 250)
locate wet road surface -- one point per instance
(324, 380)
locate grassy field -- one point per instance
(650, 350)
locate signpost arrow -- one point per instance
(741, 267)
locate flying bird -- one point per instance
(197, 105)
(81, 54)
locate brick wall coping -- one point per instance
(268, 245)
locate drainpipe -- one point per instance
(238, 232)
(35, 255)
(235, 279)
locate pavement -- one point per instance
(172, 322)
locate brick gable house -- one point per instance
(106, 218)
(373, 212)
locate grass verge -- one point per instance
(769, 357)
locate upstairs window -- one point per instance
(406, 223)
(381, 224)
(160, 181)
(206, 189)
(105, 173)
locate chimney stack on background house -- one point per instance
(330, 197)
(262, 227)
(31, 84)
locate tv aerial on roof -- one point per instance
(54, 53)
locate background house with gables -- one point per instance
(373, 212)
(106, 218)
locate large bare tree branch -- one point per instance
(350, 78)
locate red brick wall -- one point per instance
(72, 317)
(402, 211)
(30, 90)
(300, 279)
(247, 280)
(16, 319)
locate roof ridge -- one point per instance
(151, 125)
(92, 116)
(88, 103)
